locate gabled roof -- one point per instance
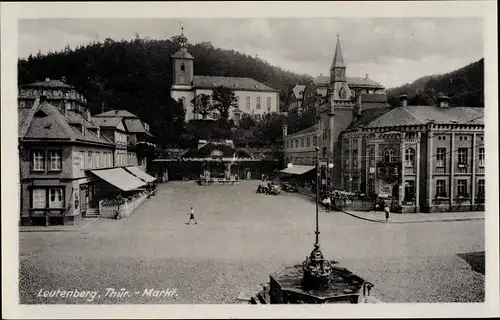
(414, 115)
(235, 83)
(117, 113)
(109, 122)
(49, 83)
(47, 123)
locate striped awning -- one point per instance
(140, 174)
(119, 178)
(297, 169)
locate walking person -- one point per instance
(387, 212)
(191, 216)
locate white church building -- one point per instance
(253, 97)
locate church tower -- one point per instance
(182, 64)
(182, 77)
(339, 90)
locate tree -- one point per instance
(202, 105)
(247, 122)
(223, 98)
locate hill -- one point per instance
(465, 89)
(136, 76)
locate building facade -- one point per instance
(426, 158)
(253, 97)
(60, 149)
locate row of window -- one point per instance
(257, 103)
(43, 198)
(301, 143)
(302, 161)
(95, 160)
(462, 189)
(53, 162)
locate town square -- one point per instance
(251, 162)
(241, 237)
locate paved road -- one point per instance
(242, 236)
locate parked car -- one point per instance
(288, 187)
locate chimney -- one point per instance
(403, 100)
(88, 115)
(63, 79)
(65, 107)
(47, 79)
(366, 76)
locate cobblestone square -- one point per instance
(240, 238)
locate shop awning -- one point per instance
(119, 178)
(298, 169)
(140, 174)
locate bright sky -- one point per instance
(392, 51)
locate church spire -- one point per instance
(338, 59)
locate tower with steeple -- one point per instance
(339, 90)
(183, 64)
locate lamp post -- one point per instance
(318, 173)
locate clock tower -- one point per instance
(339, 89)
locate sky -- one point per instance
(392, 51)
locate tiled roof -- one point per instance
(24, 116)
(368, 115)
(351, 81)
(134, 126)
(49, 84)
(412, 115)
(311, 129)
(109, 122)
(76, 118)
(117, 113)
(49, 123)
(234, 83)
(363, 82)
(447, 115)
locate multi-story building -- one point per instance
(253, 97)
(134, 141)
(63, 156)
(427, 158)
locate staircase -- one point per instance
(92, 213)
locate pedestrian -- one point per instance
(191, 216)
(387, 212)
(263, 177)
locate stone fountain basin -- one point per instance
(344, 287)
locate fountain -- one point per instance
(316, 280)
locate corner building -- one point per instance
(426, 158)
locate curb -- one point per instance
(414, 221)
(59, 230)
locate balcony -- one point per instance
(440, 170)
(480, 170)
(462, 168)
